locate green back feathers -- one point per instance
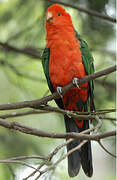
(88, 60)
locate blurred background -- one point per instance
(22, 40)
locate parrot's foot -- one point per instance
(75, 82)
(60, 92)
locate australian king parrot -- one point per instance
(65, 58)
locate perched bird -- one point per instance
(65, 58)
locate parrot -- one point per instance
(65, 58)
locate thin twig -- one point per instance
(26, 157)
(19, 114)
(35, 171)
(106, 149)
(62, 158)
(12, 171)
(17, 162)
(50, 156)
(99, 124)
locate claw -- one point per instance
(59, 90)
(75, 82)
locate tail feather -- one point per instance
(86, 154)
(74, 159)
(82, 156)
(86, 159)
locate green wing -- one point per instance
(88, 60)
(45, 63)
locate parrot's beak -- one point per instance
(49, 20)
(49, 17)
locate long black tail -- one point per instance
(82, 156)
(74, 159)
(86, 154)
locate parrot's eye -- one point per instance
(59, 14)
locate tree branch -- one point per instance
(26, 51)
(19, 73)
(87, 11)
(50, 109)
(44, 100)
(39, 133)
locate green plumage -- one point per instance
(45, 63)
(88, 60)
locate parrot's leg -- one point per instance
(59, 90)
(75, 82)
